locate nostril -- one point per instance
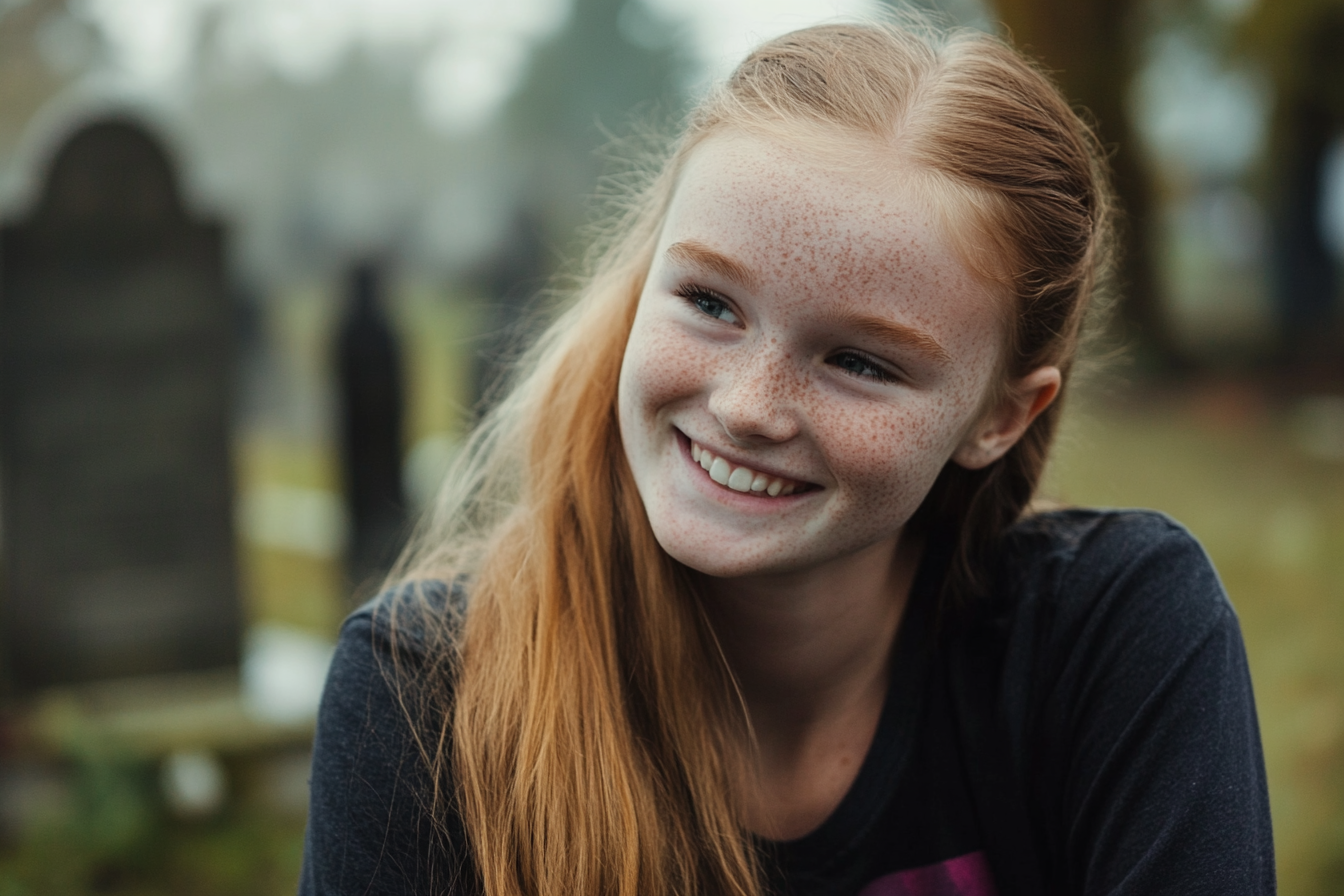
(754, 407)
(749, 423)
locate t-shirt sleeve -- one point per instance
(1149, 745)
(369, 831)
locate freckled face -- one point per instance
(801, 330)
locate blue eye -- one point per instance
(863, 367)
(708, 302)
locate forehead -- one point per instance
(843, 226)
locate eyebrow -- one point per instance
(891, 332)
(696, 254)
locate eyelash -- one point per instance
(878, 372)
(698, 297)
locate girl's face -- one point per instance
(808, 352)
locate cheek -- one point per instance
(660, 367)
(891, 458)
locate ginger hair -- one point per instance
(580, 716)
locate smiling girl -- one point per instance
(737, 591)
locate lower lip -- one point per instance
(746, 500)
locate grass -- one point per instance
(112, 836)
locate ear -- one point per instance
(1000, 428)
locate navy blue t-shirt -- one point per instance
(1119, 702)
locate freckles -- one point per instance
(664, 368)
(814, 239)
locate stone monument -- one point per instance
(115, 388)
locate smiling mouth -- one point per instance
(744, 479)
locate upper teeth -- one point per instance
(740, 479)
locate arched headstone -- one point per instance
(115, 385)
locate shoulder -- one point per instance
(371, 825)
(1121, 603)
(1129, 706)
(407, 617)
(396, 646)
(1074, 564)
(404, 633)
(1102, 540)
(386, 659)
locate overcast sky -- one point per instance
(472, 53)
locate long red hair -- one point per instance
(592, 738)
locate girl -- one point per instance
(736, 591)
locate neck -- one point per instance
(811, 653)
(798, 641)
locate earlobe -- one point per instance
(1000, 429)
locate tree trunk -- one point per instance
(1088, 46)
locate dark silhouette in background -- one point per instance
(116, 373)
(371, 413)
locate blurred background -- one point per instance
(259, 260)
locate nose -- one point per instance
(755, 397)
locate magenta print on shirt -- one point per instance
(966, 875)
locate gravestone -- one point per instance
(115, 386)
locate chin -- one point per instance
(726, 561)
